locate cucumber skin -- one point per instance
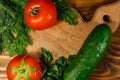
(89, 54)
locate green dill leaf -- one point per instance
(13, 30)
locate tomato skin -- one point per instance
(29, 62)
(45, 17)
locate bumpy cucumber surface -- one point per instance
(89, 54)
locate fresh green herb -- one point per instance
(13, 31)
(46, 56)
(54, 71)
(65, 11)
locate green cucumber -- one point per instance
(89, 54)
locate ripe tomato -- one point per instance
(40, 14)
(23, 67)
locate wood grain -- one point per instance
(109, 67)
(63, 39)
(87, 8)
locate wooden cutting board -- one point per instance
(109, 67)
(64, 39)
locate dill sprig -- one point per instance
(13, 31)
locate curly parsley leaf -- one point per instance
(65, 11)
(54, 71)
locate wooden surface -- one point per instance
(109, 67)
(64, 39)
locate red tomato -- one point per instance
(23, 67)
(40, 14)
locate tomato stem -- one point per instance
(34, 11)
(22, 71)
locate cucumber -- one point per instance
(89, 54)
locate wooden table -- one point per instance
(108, 68)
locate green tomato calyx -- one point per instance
(22, 71)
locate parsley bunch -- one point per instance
(54, 71)
(65, 11)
